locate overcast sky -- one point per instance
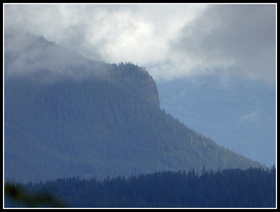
(170, 40)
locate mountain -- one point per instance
(66, 115)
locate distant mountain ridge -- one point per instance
(66, 115)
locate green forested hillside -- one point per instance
(97, 127)
(253, 188)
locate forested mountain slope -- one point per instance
(92, 119)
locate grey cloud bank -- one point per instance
(239, 39)
(170, 40)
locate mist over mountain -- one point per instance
(66, 115)
(28, 55)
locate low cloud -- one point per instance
(170, 40)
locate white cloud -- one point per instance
(170, 40)
(252, 117)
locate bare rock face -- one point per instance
(150, 91)
(137, 80)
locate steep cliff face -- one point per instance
(136, 80)
(150, 91)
